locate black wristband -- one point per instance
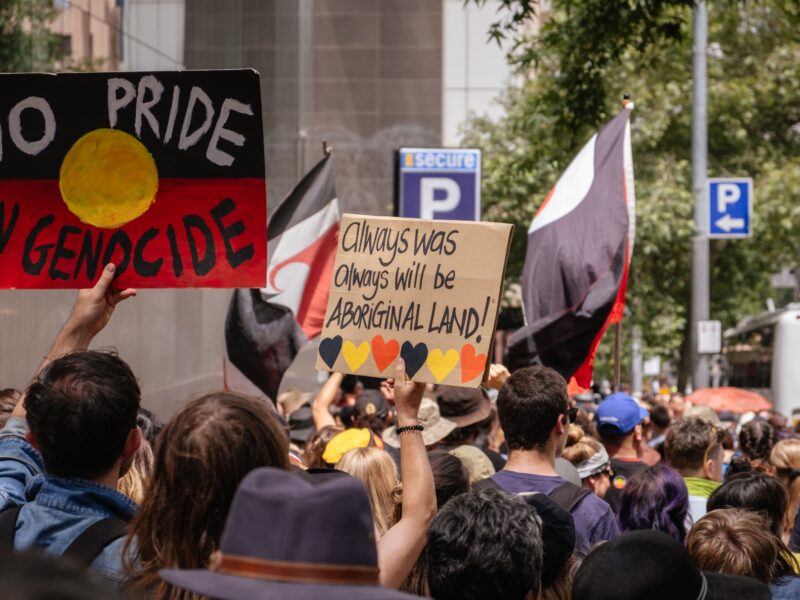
(400, 430)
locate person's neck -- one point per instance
(109, 479)
(624, 448)
(533, 462)
(698, 473)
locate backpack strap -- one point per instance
(568, 495)
(485, 484)
(94, 539)
(8, 528)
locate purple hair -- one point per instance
(656, 499)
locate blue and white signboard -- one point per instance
(730, 205)
(439, 183)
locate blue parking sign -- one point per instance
(439, 183)
(730, 205)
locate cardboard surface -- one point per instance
(161, 173)
(424, 290)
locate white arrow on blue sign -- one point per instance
(730, 205)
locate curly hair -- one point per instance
(657, 499)
(485, 544)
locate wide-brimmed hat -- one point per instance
(293, 399)
(285, 538)
(436, 427)
(464, 406)
(651, 564)
(475, 461)
(301, 424)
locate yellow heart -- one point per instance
(441, 364)
(355, 355)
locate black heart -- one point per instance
(329, 349)
(414, 357)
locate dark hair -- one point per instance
(687, 441)
(37, 576)
(529, 404)
(486, 544)
(655, 499)
(659, 416)
(450, 476)
(756, 440)
(315, 446)
(472, 434)
(200, 458)
(753, 491)
(81, 409)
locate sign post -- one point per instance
(730, 206)
(709, 337)
(439, 183)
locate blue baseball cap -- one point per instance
(618, 414)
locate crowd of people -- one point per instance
(384, 489)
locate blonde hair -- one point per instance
(785, 457)
(134, 482)
(377, 471)
(580, 446)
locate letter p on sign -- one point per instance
(449, 196)
(727, 193)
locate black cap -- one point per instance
(652, 565)
(372, 402)
(558, 534)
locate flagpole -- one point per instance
(617, 352)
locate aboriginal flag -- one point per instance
(579, 248)
(161, 173)
(266, 328)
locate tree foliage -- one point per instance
(26, 44)
(578, 78)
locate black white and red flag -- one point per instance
(265, 328)
(579, 249)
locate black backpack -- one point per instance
(567, 495)
(83, 549)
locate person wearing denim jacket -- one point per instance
(57, 509)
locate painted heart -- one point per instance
(355, 356)
(384, 353)
(472, 365)
(329, 349)
(441, 363)
(413, 356)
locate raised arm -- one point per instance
(400, 547)
(321, 407)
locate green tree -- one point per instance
(25, 42)
(591, 52)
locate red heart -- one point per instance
(472, 365)
(384, 353)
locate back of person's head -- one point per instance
(8, 400)
(738, 542)
(81, 410)
(529, 404)
(756, 440)
(659, 416)
(201, 456)
(450, 476)
(315, 447)
(689, 442)
(580, 446)
(377, 471)
(485, 544)
(754, 491)
(785, 457)
(655, 499)
(37, 576)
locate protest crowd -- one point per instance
(385, 489)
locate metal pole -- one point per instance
(637, 360)
(700, 254)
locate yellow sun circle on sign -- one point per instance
(108, 178)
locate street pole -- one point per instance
(637, 360)
(700, 253)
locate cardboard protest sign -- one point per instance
(161, 173)
(426, 291)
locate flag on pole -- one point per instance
(579, 249)
(266, 328)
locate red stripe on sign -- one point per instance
(197, 233)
